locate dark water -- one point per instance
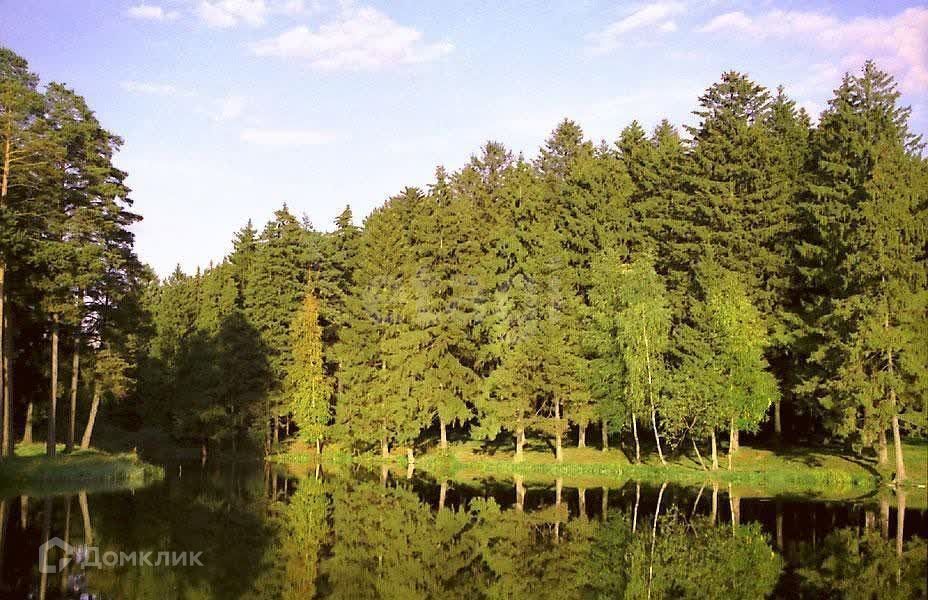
(353, 534)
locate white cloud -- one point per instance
(228, 13)
(151, 12)
(154, 89)
(229, 108)
(360, 38)
(286, 137)
(653, 16)
(899, 43)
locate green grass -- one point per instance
(31, 472)
(788, 471)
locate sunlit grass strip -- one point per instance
(31, 468)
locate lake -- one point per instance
(253, 531)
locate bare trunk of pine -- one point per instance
(53, 405)
(442, 494)
(63, 578)
(581, 502)
(715, 452)
(558, 489)
(72, 408)
(732, 443)
(605, 506)
(24, 512)
(520, 492)
(715, 501)
(520, 443)
(637, 443)
(443, 444)
(6, 375)
(27, 428)
(558, 449)
(581, 435)
(605, 434)
(777, 419)
(384, 448)
(91, 418)
(900, 520)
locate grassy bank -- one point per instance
(30, 471)
(816, 472)
(760, 471)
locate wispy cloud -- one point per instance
(359, 38)
(898, 43)
(229, 13)
(154, 89)
(151, 12)
(655, 16)
(286, 137)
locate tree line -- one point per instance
(672, 286)
(69, 276)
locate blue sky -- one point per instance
(230, 108)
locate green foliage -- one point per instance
(306, 383)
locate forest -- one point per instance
(762, 271)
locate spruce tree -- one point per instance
(307, 386)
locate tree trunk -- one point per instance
(780, 526)
(884, 516)
(72, 408)
(882, 448)
(24, 512)
(637, 444)
(605, 507)
(6, 376)
(897, 444)
(520, 493)
(635, 512)
(203, 453)
(558, 489)
(605, 434)
(442, 494)
(443, 444)
(715, 453)
(777, 419)
(735, 502)
(27, 428)
(410, 456)
(53, 406)
(276, 430)
(92, 418)
(46, 537)
(520, 443)
(318, 447)
(900, 520)
(384, 448)
(581, 502)
(558, 449)
(657, 513)
(715, 501)
(732, 443)
(657, 437)
(581, 435)
(698, 455)
(897, 436)
(85, 516)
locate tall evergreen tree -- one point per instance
(307, 386)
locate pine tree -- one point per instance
(307, 386)
(866, 261)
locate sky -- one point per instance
(231, 108)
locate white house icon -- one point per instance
(62, 545)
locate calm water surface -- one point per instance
(359, 534)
